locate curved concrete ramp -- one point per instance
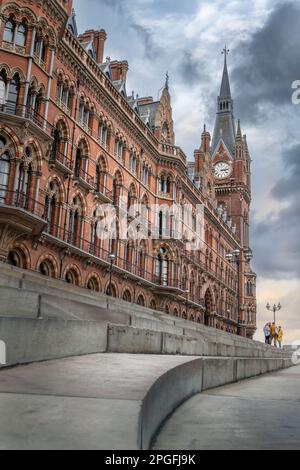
(107, 401)
(258, 414)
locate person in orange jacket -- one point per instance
(274, 333)
(280, 337)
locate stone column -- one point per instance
(49, 87)
(29, 67)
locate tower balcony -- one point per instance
(20, 217)
(84, 179)
(61, 162)
(103, 194)
(34, 123)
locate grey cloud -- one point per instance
(151, 50)
(289, 185)
(277, 246)
(189, 69)
(277, 241)
(269, 62)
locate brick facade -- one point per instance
(72, 140)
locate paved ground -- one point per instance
(87, 402)
(260, 413)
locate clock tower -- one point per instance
(231, 170)
(231, 162)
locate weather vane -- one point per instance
(225, 51)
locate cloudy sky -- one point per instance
(186, 38)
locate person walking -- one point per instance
(273, 336)
(267, 333)
(280, 337)
(270, 337)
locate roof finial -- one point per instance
(167, 80)
(225, 51)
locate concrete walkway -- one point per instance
(259, 413)
(87, 402)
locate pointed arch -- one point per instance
(48, 265)
(93, 282)
(209, 306)
(127, 295)
(36, 153)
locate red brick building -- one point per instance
(72, 141)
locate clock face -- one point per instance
(222, 170)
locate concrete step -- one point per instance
(44, 302)
(107, 401)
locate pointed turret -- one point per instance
(238, 137)
(239, 142)
(224, 125)
(246, 149)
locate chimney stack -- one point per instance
(124, 70)
(99, 42)
(206, 138)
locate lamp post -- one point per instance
(235, 257)
(275, 309)
(186, 299)
(111, 257)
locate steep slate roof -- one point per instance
(224, 124)
(72, 25)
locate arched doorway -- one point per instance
(208, 307)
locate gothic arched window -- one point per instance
(13, 95)
(3, 85)
(21, 35)
(78, 162)
(4, 169)
(40, 48)
(162, 267)
(75, 222)
(9, 31)
(47, 269)
(52, 208)
(24, 183)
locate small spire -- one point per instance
(239, 132)
(167, 80)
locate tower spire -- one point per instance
(224, 126)
(225, 92)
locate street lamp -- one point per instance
(234, 257)
(111, 257)
(186, 300)
(248, 255)
(275, 309)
